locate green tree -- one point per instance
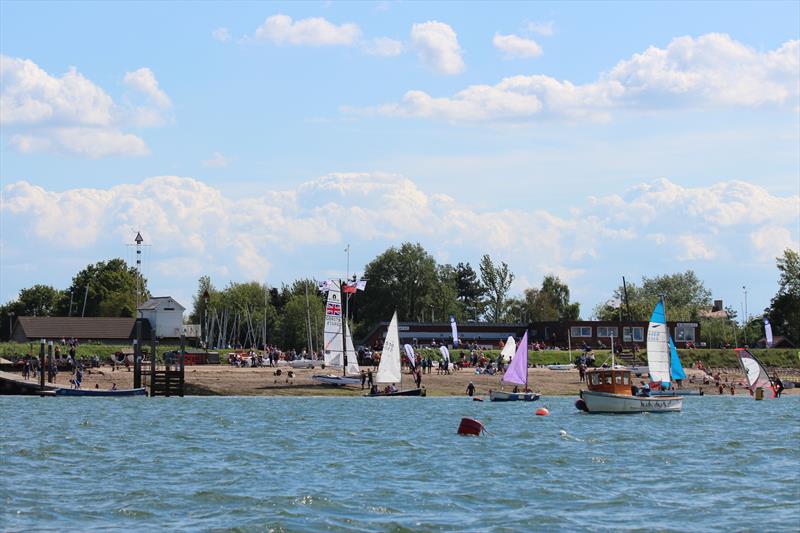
(555, 294)
(497, 280)
(469, 291)
(784, 309)
(112, 289)
(685, 296)
(39, 300)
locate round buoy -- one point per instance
(542, 411)
(470, 426)
(562, 433)
(477, 399)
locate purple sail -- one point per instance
(518, 369)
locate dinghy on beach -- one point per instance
(338, 348)
(389, 369)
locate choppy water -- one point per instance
(366, 464)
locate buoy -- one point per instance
(477, 399)
(470, 426)
(542, 411)
(562, 433)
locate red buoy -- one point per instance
(470, 426)
(542, 411)
(477, 399)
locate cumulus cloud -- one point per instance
(384, 46)
(515, 46)
(221, 34)
(437, 46)
(545, 29)
(709, 71)
(72, 115)
(281, 29)
(190, 220)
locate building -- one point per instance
(484, 334)
(108, 330)
(165, 316)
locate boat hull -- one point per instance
(410, 392)
(338, 381)
(503, 396)
(120, 393)
(681, 392)
(606, 402)
(561, 367)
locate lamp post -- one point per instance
(744, 288)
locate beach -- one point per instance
(226, 380)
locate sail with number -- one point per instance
(508, 350)
(675, 368)
(658, 346)
(517, 372)
(389, 367)
(756, 373)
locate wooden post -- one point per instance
(49, 361)
(41, 364)
(153, 343)
(182, 363)
(137, 356)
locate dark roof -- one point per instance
(97, 328)
(152, 303)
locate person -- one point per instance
(516, 389)
(363, 379)
(582, 371)
(113, 386)
(776, 381)
(370, 380)
(470, 389)
(645, 389)
(733, 391)
(418, 377)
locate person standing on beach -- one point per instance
(363, 379)
(418, 377)
(470, 389)
(370, 380)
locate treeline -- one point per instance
(409, 280)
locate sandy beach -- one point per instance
(224, 380)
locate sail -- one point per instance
(509, 349)
(756, 373)
(768, 332)
(518, 369)
(333, 327)
(445, 353)
(412, 358)
(352, 356)
(676, 368)
(454, 329)
(658, 346)
(389, 368)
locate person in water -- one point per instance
(470, 389)
(776, 381)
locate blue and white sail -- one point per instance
(676, 368)
(658, 363)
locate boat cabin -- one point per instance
(614, 381)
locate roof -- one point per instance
(155, 301)
(99, 328)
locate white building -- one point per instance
(165, 316)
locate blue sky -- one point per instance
(255, 140)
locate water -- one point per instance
(366, 464)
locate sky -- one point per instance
(255, 141)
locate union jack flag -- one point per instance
(334, 309)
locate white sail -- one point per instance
(389, 368)
(509, 349)
(352, 357)
(658, 346)
(333, 327)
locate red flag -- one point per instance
(349, 288)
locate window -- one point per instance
(581, 331)
(603, 331)
(638, 334)
(684, 332)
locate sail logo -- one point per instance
(333, 309)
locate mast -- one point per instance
(308, 326)
(344, 338)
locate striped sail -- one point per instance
(333, 327)
(756, 374)
(389, 368)
(658, 346)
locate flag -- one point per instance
(362, 284)
(454, 329)
(768, 332)
(445, 353)
(324, 286)
(333, 309)
(410, 354)
(349, 288)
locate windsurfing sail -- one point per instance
(454, 329)
(658, 346)
(412, 357)
(332, 346)
(517, 372)
(389, 367)
(756, 373)
(768, 332)
(509, 349)
(445, 353)
(676, 368)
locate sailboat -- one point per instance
(757, 376)
(517, 374)
(338, 348)
(509, 349)
(389, 369)
(611, 390)
(678, 374)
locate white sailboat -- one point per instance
(389, 369)
(338, 348)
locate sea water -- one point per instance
(378, 464)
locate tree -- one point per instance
(400, 279)
(556, 293)
(39, 300)
(784, 309)
(497, 280)
(469, 291)
(685, 295)
(112, 290)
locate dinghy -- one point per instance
(338, 350)
(389, 369)
(113, 393)
(517, 373)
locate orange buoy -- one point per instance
(542, 411)
(470, 426)
(477, 399)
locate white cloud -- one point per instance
(437, 46)
(515, 46)
(281, 29)
(545, 29)
(693, 247)
(709, 71)
(771, 241)
(384, 46)
(72, 115)
(216, 160)
(221, 34)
